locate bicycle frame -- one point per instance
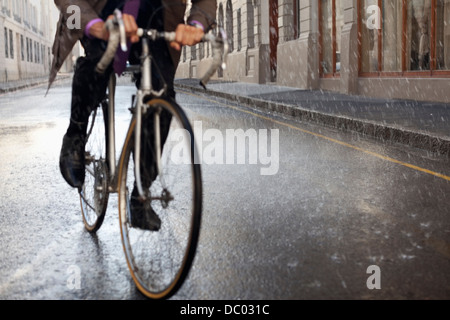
(140, 108)
(117, 36)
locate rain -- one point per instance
(324, 148)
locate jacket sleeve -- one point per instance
(203, 11)
(87, 12)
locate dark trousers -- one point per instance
(89, 87)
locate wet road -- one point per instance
(304, 219)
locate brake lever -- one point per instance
(123, 36)
(220, 52)
(226, 48)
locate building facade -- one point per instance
(379, 48)
(27, 30)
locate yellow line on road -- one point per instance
(374, 154)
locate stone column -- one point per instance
(264, 45)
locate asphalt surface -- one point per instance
(334, 204)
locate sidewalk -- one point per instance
(424, 125)
(16, 85)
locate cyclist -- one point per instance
(89, 87)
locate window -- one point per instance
(331, 21)
(201, 50)
(6, 9)
(22, 49)
(6, 43)
(391, 36)
(11, 44)
(239, 30)
(296, 16)
(370, 35)
(381, 35)
(229, 24)
(26, 13)
(250, 25)
(221, 22)
(28, 49)
(42, 54)
(411, 36)
(443, 35)
(194, 52)
(31, 50)
(16, 11)
(418, 30)
(38, 55)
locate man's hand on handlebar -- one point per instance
(99, 30)
(186, 35)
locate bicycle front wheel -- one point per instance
(94, 193)
(159, 261)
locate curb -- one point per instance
(415, 139)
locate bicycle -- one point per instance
(158, 261)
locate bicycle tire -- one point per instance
(149, 262)
(94, 194)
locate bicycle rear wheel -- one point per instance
(94, 193)
(159, 261)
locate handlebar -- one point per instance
(117, 37)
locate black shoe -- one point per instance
(142, 214)
(71, 160)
